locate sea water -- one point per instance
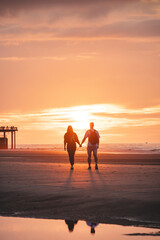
(110, 147)
(40, 229)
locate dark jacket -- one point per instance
(71, 139)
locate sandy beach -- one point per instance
(125, 189)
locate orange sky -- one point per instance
(59, 54)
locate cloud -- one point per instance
(50, 20)
(153, 112)
(86, 55)
(13, 59)
(59, 9)
(17, 59)
(80, 117)
(132, 28)
(53, 123)
(9, 6)
(42, 26)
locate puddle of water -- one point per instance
(39, 229)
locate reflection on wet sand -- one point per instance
(92, 225)
(39, 229)
(71, 224)
(144, 234)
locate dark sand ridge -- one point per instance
(125, 189)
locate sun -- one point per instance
(80, 119)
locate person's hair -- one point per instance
(70, 228)
(92, 230)
(69, 129)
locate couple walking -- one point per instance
(70, 139)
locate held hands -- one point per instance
(80, 145)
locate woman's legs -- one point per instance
(71, 153)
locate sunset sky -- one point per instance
(71, 62)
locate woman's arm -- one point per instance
(77, 140)
(85, 136)
(64, 145)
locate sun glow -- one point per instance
(80, 119)
(115, 123)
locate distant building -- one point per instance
(4, 139)
(3, 143)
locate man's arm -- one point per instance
(83, 140)
(98, 138)
(98, 143)
(85, 136)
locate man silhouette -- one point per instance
(92, 225)
(93, 144)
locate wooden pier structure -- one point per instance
(4, 140)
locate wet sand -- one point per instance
(125, 190)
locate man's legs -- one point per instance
(89, 151)
(95, 157)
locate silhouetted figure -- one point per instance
(93, 144)
(92, 225)
(70, 139)
(71, 224)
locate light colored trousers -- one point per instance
(93, 149)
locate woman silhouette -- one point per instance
(71, 224)
(70, 138)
